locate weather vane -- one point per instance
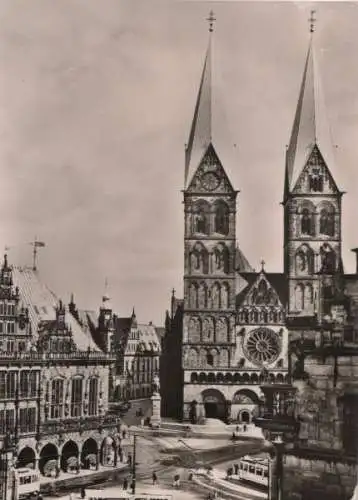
(211, 20)
(312, 21)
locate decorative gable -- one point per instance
(262, 294)
(315, 177)
(210, 176)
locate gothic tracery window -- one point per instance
(199, 259)
(328, 259)
(76, 397)
(221, 218)
(202, 217)
(307, 223)
(194, 330)
(316, 181)
(225, 296)
(304, 260)
(215, 296)
(203, 295)
(208, 330)
(222, 330)
(57, 396)
(193, 358)
(299, 297)
(308, 296)
(93, 396)
(193, 295)
(221, 258)
(326, 222)
(210, 359)
(224, 358)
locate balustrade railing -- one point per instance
(78, 425)
(53, 356)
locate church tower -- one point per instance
(208, 341)
(312, 202)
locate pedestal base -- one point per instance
(155, 419)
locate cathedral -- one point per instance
(235, 327)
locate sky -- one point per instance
(96, 102)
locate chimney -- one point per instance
(355, 250)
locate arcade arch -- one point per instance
(214, 404)
(244, 404)
(48, 460)
(26, 458)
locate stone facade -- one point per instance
(298, 326)
(136, 348)
(54, 382)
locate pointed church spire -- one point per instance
(201, 129)
(310, 127)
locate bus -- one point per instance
(27, 482)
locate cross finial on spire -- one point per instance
(312, 20)
(211, 19)
(262, 265)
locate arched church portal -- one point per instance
(245, 403)
(214, 404)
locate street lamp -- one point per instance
(277, 418)
(134, 463)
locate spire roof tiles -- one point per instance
(311, 126)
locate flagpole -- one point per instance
(36, 244)
(34, 255)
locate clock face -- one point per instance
(210, 181)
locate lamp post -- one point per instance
(134, 464)
(276, 416)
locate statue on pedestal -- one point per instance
(156, 385)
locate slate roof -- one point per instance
(42, 302)
(148, 336)
(209, 125)
(310, 127)
(241, 262)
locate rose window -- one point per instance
(262, 346)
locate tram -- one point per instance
(27, 482)
(254, 470)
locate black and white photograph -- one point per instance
(178, 250)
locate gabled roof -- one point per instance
(42, 302)
(276, 280)
(310, 127)
(241, 263)
(147, 333)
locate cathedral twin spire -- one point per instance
(201, 130)
(310, 127)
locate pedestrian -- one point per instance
(129, 459)
(236, 467)
(154, 478)
(133, 486)
(176, 481)
(83, 493)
